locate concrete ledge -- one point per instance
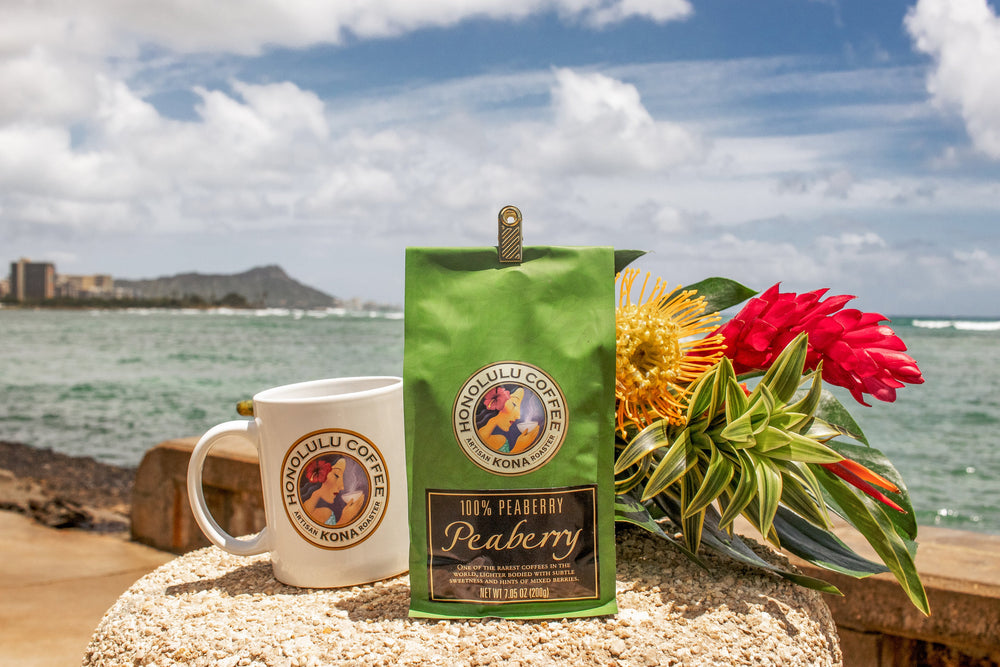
(56, 585)
(161, 513)
(960, 571)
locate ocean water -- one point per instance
(112, 384)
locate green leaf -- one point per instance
(810, 399)
(760, 415)
(691, 522)
(789, 421)
(797, 498)
(721, 293)
(751, 422)
(739, 431)
(771, 438)
(646, 441)
(805, 475)
(625, 257)
(717, 477)
(745, 491)
(785, 374)
(805, 450)
(835, 414)
(628, 483)
(736, 399)
(678, 459)
(768, 492)
(761, 407)
(700, 441)
(802, 479)
(719, 382)
(871, 520)
(752, 513)
(821, 547)
(701, 395)
(822, 431)
(628, 509)
(733, 547)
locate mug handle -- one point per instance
(246, 429)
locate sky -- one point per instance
(842, 144)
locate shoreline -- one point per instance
(62, 491)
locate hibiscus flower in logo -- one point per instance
(317, 470)
(496, 398)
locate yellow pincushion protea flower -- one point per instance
(659, 357)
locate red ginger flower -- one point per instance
(857, 351)
(864, 479)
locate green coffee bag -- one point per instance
(509, 408)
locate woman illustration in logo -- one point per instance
(499, 424)
(321, 491)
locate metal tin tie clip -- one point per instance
(509, 237)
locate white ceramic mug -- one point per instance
(333, 471)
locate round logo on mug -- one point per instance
(335, 487)
(510, 418)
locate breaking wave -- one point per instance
(960, 325)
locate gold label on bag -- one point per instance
(335, 487)
(506, 546)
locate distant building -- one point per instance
(32, 281)
(37, 281)
(82, 287)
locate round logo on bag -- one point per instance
(335, 488)
(510, 418)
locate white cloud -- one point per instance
(852, 243)
(979, 267)
(605, 13)
(353, 190)
(963, 38)
(62, 258)
(833, 183)
(754, 262)
(38, 85)
(53, 54)
(886, 277)
(249, 26)
(267, 156)
(82, 28)
(601, 126)
(39, 162)
(839, 183)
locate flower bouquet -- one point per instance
(715, 422)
